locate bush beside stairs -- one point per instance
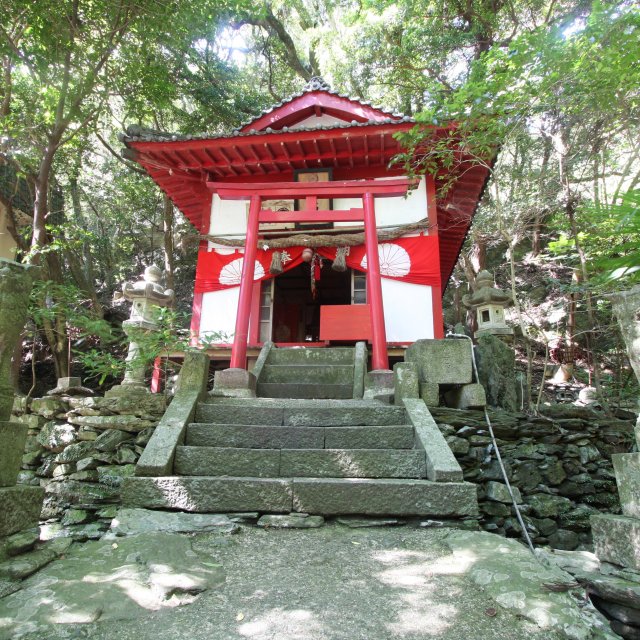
(329, 455)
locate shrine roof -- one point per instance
(352, 138)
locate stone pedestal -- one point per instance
(406, 383)
(234, 383)
(379, 385)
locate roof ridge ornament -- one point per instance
(317, 83)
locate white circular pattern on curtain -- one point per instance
(394, 260)
(231, 273)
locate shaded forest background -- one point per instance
(545, 92)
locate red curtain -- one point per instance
(414, 259)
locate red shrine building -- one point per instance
(310, 235)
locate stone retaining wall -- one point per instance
(560, 463)
(80, 449)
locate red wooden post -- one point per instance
(157, 375)
(379, 357)
(239, 349)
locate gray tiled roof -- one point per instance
(136, 133)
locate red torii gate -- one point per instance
(310, 192)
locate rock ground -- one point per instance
(334, 582)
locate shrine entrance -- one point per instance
(296, 308)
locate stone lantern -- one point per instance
(147, 297)
(489, 303)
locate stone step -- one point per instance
(280, 437)
(352, 463)
(312, 413)
(218, 461)
(326, 496)
(306, 355)
(308, 373)
(304, 390)
(296, 463)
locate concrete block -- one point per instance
(442, 361)
(617, 539)
(20, 508)
(332, 496)
(13, 436)
(234, 383)
(430, 393)
(209, 495)
(469, 396)
(627, 469)
(406, 383)
(442, 465)
(219, 461)
(352, 463)
(371, 437)
(254, 436)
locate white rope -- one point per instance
(525, 533)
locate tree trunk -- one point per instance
(167, 223)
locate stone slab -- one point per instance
(300, 355)
(384, 497)
(13, 436)
(292, 521)
(19, 508)
(468, 396)
(218, 461)
(627, 469)
(442, 361)
(330, 416)
(237, 383)
(239, 414)
(352, 463)
(254, 436)
(305, 373)
(442, 465)
(367, 437)
(318, 391)
(157, 457)
(617, 539)
(359, 369)
(129, 522)
(406, 382)
(209, 495)
(430, 393)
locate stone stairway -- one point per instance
(326, 456)
(307, 373)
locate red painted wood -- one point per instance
(345, 322)
(241, 335)
(329, 189)
(436, 308)
(347, 215)
(196, 314)
(379, 357)
(254, 324)
(156, 376)
(302, 107)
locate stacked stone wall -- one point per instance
(559, 461)
(80, 449)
